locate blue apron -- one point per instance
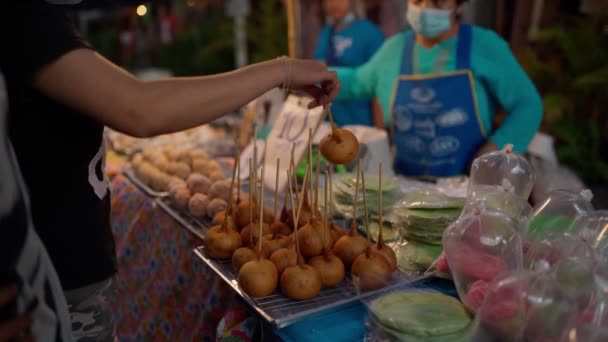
(436, 125)
(331, 59)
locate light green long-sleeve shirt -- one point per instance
(499, 82)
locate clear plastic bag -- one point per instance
(497, 167)
(549, 247)
(559, 211)
(479, 246)
(440, 268)
(504, 199)
(430, 200)
(593, 227)
(524, 306)
(417, 315)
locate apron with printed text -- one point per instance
(436, 124)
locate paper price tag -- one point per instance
(291, 127)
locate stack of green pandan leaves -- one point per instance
(421, 316)
(344, 195)
(421, 218)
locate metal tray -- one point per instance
(128, 171)
(281, 311)
(195, 225)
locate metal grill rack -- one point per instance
(277, 309)
(281, 311)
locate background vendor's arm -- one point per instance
(517, 95)
(374, 43)
(361, 83)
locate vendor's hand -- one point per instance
(486, 148)
(315, 79)
(17, 329)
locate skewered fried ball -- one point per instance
(219, 218)
(371, 271)
(215, 206)
(221, 242)
(258, 278)
(281, 228)
(283, 258)
(242, 256)
(339, 146)
(300, 282)
(330, 268)
(254, 229)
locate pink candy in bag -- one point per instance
(524, 306)
(479, 246)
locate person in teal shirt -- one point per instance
(349, 42)
(440, 86)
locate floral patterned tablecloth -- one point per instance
(165, 292)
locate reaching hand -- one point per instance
(18, 328)
(315, 79)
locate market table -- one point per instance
(164, 291)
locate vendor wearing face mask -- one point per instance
(440, 86)
(349, 42)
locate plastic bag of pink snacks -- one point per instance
(551, 246)
(479, 246)
(440, 268)
(593, 227)
(524, 306)
(559, 211)
(497, 167)
(501, 198)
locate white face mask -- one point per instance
(429, 22)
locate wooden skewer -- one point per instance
(293, 170)
(238, 172)
(355, 206)
(229, 208)
(380, 234)
(255, 171)
(365, 207)
(326, 212)
(310, 200)
(261, 221)
(334, 128)
(331, 194)
(297, 216)
(250, 203)
(317, 176)
(276, 189)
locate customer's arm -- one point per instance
(88, 82)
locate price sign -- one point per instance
(291, 127)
